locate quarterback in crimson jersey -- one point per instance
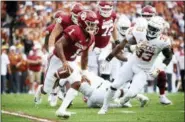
(106, 17)
(74, 40)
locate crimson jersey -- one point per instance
(77, 42)
(50, 28)
(105, 30)
(63, 19)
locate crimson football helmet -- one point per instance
(148, 12)
(88, 20)
(105, 8)
(75, 9)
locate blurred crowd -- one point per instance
(24, 56)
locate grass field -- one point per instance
(153, 112)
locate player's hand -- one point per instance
(85, 79)
(154, 73)
(67, 67)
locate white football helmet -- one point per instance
(155, 27)
(123, 24)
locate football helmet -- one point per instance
(148, 12)
(75, 9)
(105, 8)
(123, 24)
(88, 20)
(155, 27)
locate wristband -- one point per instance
(84, 72)
(109, 57)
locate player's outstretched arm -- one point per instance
(116, 50)
(55, 33)
(59, 45)
(84, 60)
(167, 52)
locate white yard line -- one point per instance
(25, 116)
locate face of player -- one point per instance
(147, 17)
(92, 27)
(152, 32)
(106, 11)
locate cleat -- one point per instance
(144, 102)
(102, 111)
(143, 99)
(127, 105)
(164, 100)
(63, 114)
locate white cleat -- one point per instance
(53, 101)
(37, 98)
(127, 105)
(143, 99)
(164, 100)
(102, 111)
(63, 114)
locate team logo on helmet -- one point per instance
(83, 16)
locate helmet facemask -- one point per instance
(147, 17)
(74, 18)
(153, 32)
(92, 27)
(106, 10)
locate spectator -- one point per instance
(14, 77)
(180, 58)
(5, 64)
(35, 64)
(22, 68)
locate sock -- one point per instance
(70, 95)
(108, 96)
(161, 82)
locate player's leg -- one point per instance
(50, 79)
(138, 82)
(125, 74)
(161, 83)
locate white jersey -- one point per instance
(147, 51)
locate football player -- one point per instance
(107, 19)
(62, 20)
(138, 67)
(147, 13)
(75, 39)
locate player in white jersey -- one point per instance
(139, 65)
(141, 23)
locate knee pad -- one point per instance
(161, 79)
(62, 73)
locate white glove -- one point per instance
(154, 73)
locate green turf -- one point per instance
(153, 112)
